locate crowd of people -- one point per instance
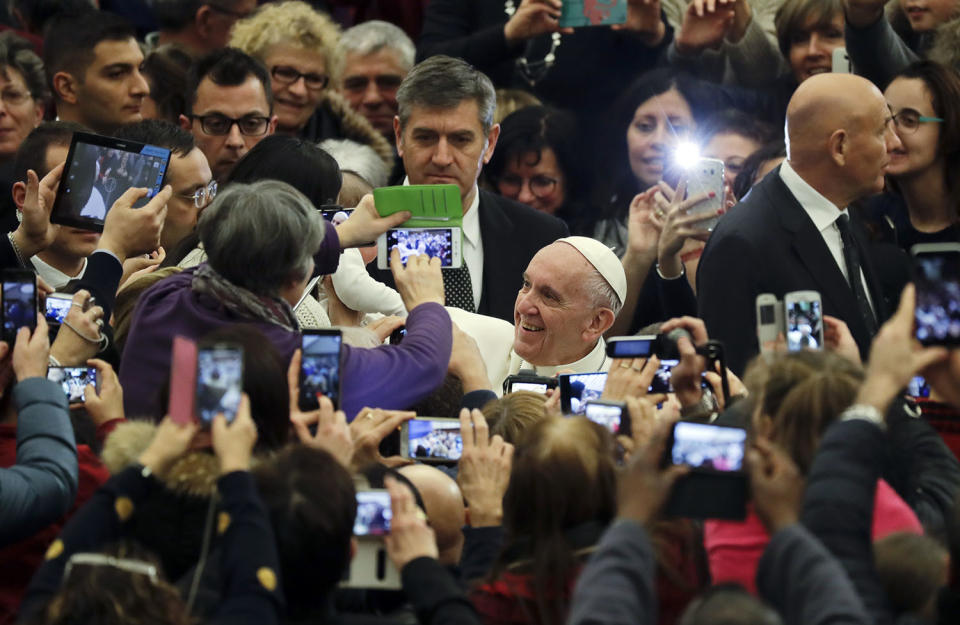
(251, 368)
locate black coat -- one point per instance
(512, 233)
(768, 244)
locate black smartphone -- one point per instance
(320, 368)
(717, 485)
(373, 513)
(431, 439)
(396, 337)
(98, 171)
(640, 346)
(576, 389)
(219, 382)
(936, 269)
(74, 381)
(19, 302)
(612, 415)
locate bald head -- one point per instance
(445, 510)
(839, 136)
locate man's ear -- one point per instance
(492, 137)
(398, 133)
(202, 21)
(838, 147)
(273, 124)
(65, 87)
(185, 122)
(19, 193)
(602, 320)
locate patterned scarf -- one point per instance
(241, 302)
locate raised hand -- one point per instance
(705, 24)
(35, 233)
(533, 18)
(484, 470)
(420, 281)
(410, 536)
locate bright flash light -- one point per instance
(686, 154)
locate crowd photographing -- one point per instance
(521, 312)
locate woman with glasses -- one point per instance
(922, 203)
(23, 93)
(536, 162)
(298, 46)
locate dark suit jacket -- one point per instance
(768, 244)
(512, 233)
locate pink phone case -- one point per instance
(183, 380)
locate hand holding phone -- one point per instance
(803, 315)
(320, 368)
(233, 439)
(410, 536)
(73, 381)
(19, 302)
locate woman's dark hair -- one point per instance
(943, 85)
(264, 381)
(298, 162)
(752, 164)
(615, 182)
(166, 72)
(109, 595)
(312, 504)
(736, 122)
(532, 129)
(563, 482)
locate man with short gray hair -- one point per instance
(376, 56)
(445, 134)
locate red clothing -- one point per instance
(20, 560)
(510, 599)
(734, 548)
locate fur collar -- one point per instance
(356, 127)
(195, 474)
(946, 46)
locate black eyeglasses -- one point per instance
(385, 82)
(289, 75)
(219, 125)
(541, 186)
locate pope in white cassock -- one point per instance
(572, 291)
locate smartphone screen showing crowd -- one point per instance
(937, 279)
(219, 382)
(431, 439)
(19, 302)
(576, 389)
(373, 513)
(611, 415)
(716, 487)
(320, 368)
(804, 320)
(442, 243)
(101, 169)
(57, 307)
(74, 381)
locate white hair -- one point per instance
(601, 293)
(359, 159)
(375, 35)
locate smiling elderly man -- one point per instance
(571, 294)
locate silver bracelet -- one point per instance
(683, 271)
(102, 341)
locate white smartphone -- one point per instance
(769, 318)
(443, 243)
(370, 566)
(431, 439)
(841, 62)
(803, 315)
(706, 176)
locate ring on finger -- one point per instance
(624, 365)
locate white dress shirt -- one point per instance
(824, 215)
(472, 249)
(53, 276)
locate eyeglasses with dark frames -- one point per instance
(218, 125)
(289, 75)
(541, 186)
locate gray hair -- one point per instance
(359, 159)
(601, 293)
(18, 53)
(443, 82)
(260, 236)
(374, 36)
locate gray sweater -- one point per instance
(42, 485)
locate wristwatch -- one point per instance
(703, 409)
